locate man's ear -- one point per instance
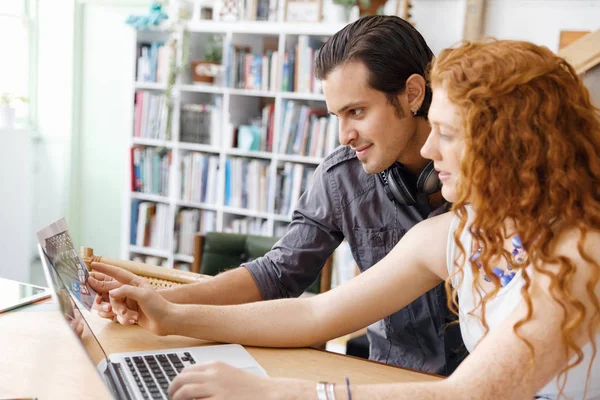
(415, 91)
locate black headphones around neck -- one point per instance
(402, 187)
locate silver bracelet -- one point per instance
(331, 391)
(321, 392)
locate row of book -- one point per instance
(292, 181)
(258, 134)
(246, 183)
(307, 131)
(298, 64)
(188, 223)
(150, 170)
(245, 70)
(199, 174)
(149, 223)
(150, 116)
(201, 123)
(152, 62)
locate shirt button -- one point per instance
(376, 240)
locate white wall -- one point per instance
(439, 21)
(51, 151)
(106, 112)
(540, 21)
(537, 21)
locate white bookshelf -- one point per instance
(237, 105)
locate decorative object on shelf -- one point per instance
(206, 13)
(206, 70)
(174, 70)
(365, 7)
(303, 10)
(8, 111)
(184, 9)
(155, 17)
(229, 10)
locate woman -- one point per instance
(516, 142)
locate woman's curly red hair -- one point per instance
(533, 157)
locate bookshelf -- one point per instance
(222, 183)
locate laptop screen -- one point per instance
(58, 248)
(72, 312)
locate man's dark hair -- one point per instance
(391, 49)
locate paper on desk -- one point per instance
(58, 245)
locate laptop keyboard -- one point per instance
(153, 373)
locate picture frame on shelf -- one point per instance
(303, 10)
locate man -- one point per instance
(373, 80)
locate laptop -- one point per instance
(135, 375)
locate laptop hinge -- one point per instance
(116, 382)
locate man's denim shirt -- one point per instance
(343, 201)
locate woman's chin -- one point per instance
(448, 192)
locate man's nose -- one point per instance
(347, 133)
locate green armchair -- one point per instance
(215, 252)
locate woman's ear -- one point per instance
(415, 92)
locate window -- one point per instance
(16, 49)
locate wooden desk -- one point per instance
(40, 357)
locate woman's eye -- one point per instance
(445, 136)
(356, 112)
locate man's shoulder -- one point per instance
(340, 156)
(344, 172)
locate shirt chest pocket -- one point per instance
(372, 244)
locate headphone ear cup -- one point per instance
(399, 189)
(429, 181)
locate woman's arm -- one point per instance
(403, 275)
(501, 366)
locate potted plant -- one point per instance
(205, 71)
(370, 7)
(338, 10)
(7, 110)
(365, 7)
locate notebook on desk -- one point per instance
(136, 375)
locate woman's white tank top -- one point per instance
(498, 308)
